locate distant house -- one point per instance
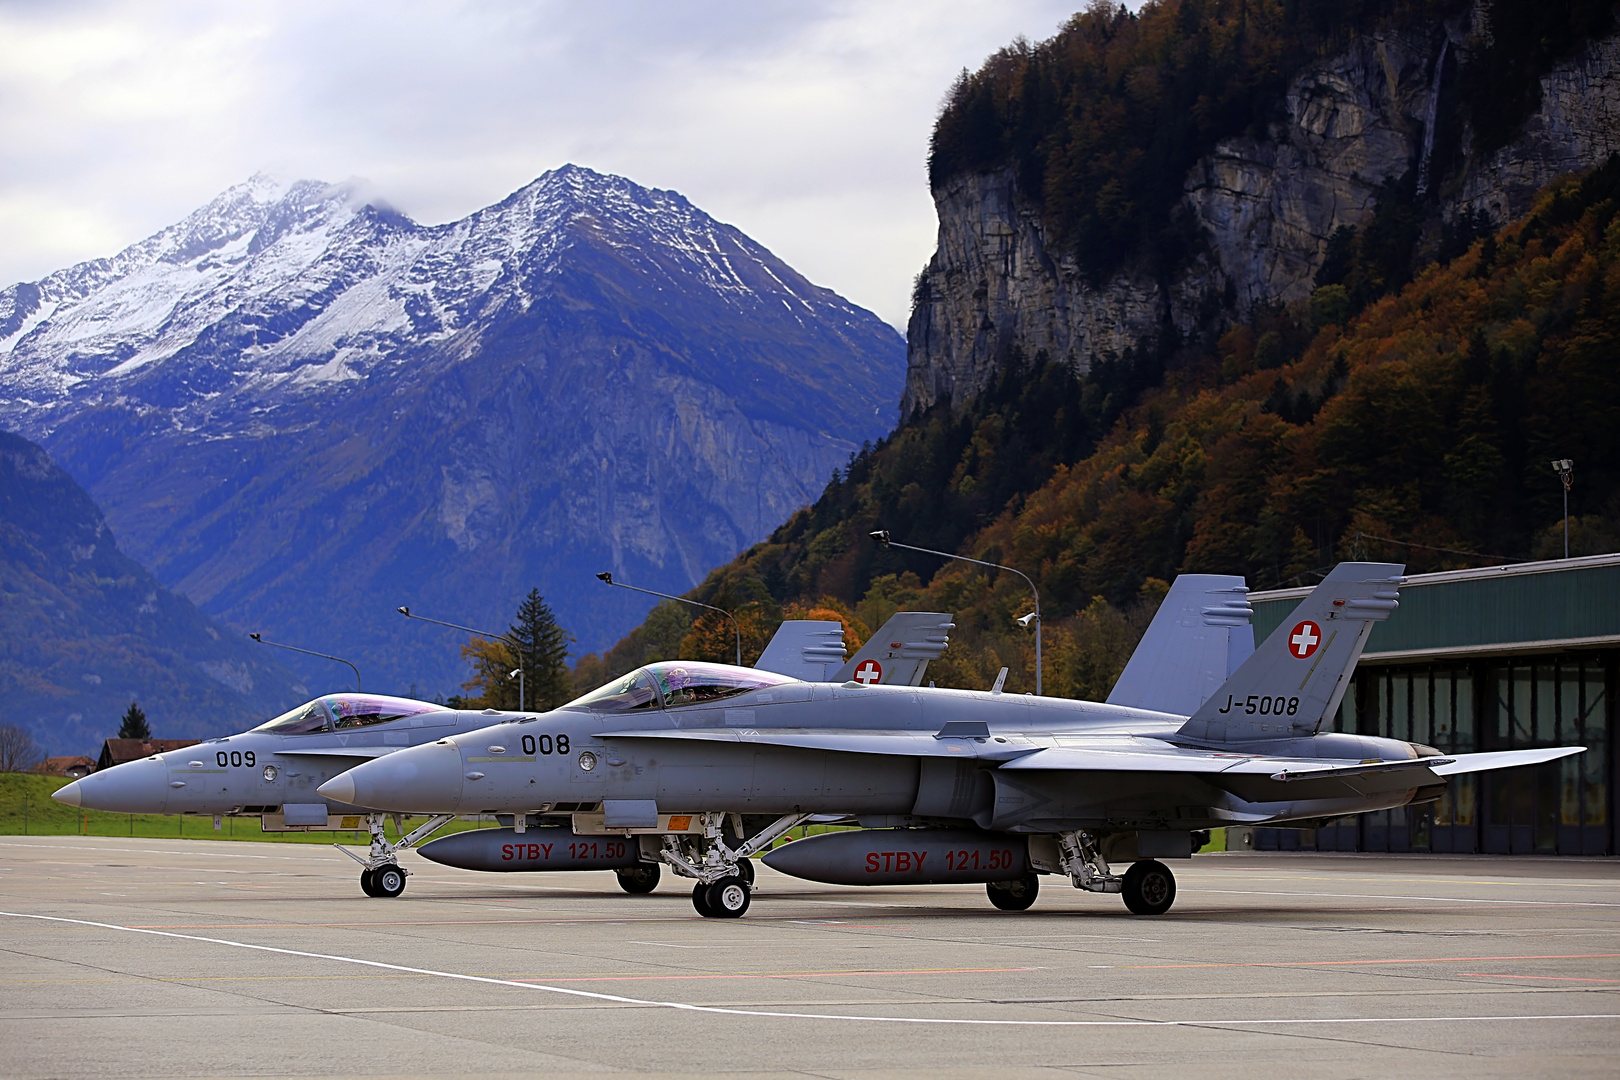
(72, 767)
(118, 751)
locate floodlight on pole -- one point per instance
(508, 638)
(1565, 468)
(606, 577)
(882, 537)
(311, 652)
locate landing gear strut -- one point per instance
(382, 875)
(725, 876)
(1148, 887)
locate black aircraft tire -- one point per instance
(638, 879)
(700, 900)
(1015, 895)
(745, 870)
(1149, 888)
(388, 880)
(367, 886)
(728, 898)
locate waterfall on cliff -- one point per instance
(1428, 119)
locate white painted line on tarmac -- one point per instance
(1395, 896)
(776, 1015)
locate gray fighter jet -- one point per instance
(700, 766)
(272, 771)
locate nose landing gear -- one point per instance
(383, 876)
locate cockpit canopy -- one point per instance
(673, 683)
(342, 712)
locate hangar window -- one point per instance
(304, 720)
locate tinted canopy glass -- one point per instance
(308, 717)
(364, 710)
(627, 693)
(691, 682)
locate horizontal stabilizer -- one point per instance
(1504, 759)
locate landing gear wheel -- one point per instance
(1149, 888)
(367, 885)
(1015, 895)
(388, 880)
(638, 879)
(728, 898)
(700, 900)
(745, 870)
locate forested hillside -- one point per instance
(1406, 406)
(1420, 430)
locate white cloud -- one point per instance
(806, 125)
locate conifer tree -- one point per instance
(542, 650)
(134, 725)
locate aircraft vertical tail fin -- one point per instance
(807, 649)
(898, 654)
(1297, 677)
(1198, 638)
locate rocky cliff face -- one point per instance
(1265, 208)
(303, 411)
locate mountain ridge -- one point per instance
(293, 400)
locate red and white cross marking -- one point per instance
(1304, 639)
(869, 672)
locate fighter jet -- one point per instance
(700, 766)
(272, 771)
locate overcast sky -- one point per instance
(804, 124)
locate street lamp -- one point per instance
(606, 577)
(882, 537)
(517, 673)
(1565, 469)
(310, 652)
(508, 638)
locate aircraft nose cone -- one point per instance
(136, 787)
(423, 779)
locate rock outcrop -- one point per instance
(1263, 207)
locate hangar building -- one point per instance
(1501, 658)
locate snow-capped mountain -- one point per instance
(303, 409)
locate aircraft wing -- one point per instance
(854, 741)
(1504, 759)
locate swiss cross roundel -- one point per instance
(869, 672)
(1303, 639)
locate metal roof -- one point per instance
(1522, 607)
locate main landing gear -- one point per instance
(382, 875)
(1148, 887)
(638, 879)
(724, 875)
(1015, 895)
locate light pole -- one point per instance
(1565, 469)
(310, 652)
(607, 578)
(508, 638)
(517, 673)
(882, 537)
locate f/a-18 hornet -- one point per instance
(700, 766)
(272, 772)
